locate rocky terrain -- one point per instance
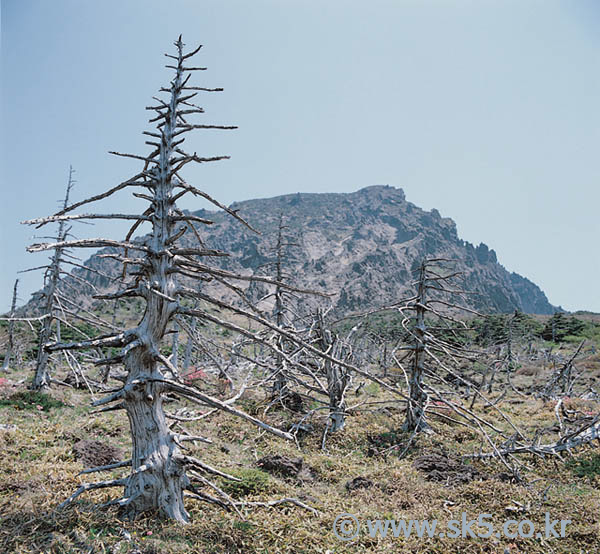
(361, 247)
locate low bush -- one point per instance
(31, 400)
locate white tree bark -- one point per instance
(11, 330)
(280, 384)
(158, 476)
(337, 378)
(415, 414)
(41, 377)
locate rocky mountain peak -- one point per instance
(360, 246)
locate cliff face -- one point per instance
(362, 247)
(359, 246)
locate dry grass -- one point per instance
(38, 470)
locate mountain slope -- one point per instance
(362, 247)
(359, 246)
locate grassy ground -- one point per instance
(38, 470)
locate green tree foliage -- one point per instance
(560, 326)
(495, 329)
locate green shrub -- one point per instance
(585, 467)
(253, 481)
(30, 400)
(559, 326)
(77, 331)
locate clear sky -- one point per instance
(485, 110)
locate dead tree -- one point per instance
(415, 414)
(11, 330)
(189, 346)
(579, 435)
(384, 358)
(41, 378)
(562, 377)
(175, 348)
(430, 353)
(507, 362)
(280, 383)
(160, 471)
(281, 253)
(338, 378)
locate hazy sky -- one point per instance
(485, 110)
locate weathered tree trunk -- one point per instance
(175, 347)
(41, 378)
(280, 384)
(415, 415)
(11, 330)
(189, 346)
(158, 479)
(563, 375)
(336, 378)
(337, 387)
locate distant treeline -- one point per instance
(484, 331)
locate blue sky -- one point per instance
(485, 110)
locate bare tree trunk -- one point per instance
(563, 375)
(384, 362)
(336, 378)
(41, 378)
(415, 415)
(158, 479)
(106, 372)
(280, 385)
(189, 346)
(11, 330)
(175, 347)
